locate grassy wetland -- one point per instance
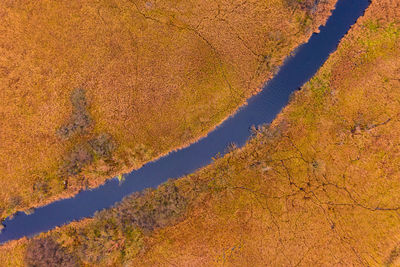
(319, 186)
(91, 90)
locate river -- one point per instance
(261, 108)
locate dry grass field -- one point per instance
(318, 187)
(92, 89)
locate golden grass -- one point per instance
(324, 193)
(318, 188)
(157, 75)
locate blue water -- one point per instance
(261, 108)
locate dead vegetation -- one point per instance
(317, 187)
(102, 145)
(75, 161)
(45, 251)
(152, 75)
(80, 120)
(150, 210)
(117, 234)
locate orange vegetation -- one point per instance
(148, 77)
(319, 187)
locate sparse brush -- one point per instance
(76, 160)
(80, 120)
(46, 252)
(103, 145)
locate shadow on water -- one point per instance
(261, 108)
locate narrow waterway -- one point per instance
(261, 108)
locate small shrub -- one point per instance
(29, 211)
(143, 153)
(41, 187)
(268, 132)
(78, 99)
(103, 145)
(45, 252)
(15, 201)
(80, 119)
(87, 152)
(76, 160)
(315, 164)
(394, 255)
(308, 5)
(152, 209)
(231, 147)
